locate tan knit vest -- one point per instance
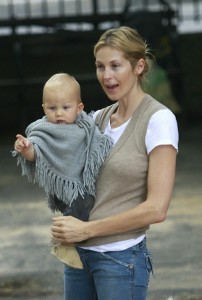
(122, 181)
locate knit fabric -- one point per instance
(122, 181)
(68, 157)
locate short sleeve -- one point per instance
(162, 130)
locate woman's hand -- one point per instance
(67, 229)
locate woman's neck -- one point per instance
(125, 110)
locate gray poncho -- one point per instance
(68, 157)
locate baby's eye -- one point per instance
(65, 107)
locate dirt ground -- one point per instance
(29, 271)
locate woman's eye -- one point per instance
(115, 66)
(99, 67)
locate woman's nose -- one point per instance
(107, 73)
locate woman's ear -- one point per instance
(140, 66)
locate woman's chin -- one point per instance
(112, 98)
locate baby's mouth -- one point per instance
(60, 122)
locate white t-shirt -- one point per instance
(162, 130)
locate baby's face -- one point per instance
(61, 107)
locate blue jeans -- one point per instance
(110, 275)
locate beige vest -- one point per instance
(122, 181)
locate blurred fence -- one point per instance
(87, 14)
(41, 37)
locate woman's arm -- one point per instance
(24, 147)
(161, 175)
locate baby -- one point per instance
(63, 151)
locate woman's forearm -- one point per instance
(71, 230)
(138, 217)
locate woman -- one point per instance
(135, 184)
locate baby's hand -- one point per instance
(21, 143)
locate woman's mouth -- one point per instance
(111, 87)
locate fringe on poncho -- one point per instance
(68, 157)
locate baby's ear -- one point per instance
(81, 106)
(43, 107)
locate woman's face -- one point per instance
(115, 73)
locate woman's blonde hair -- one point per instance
(129, 41)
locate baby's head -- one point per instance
(62, 99)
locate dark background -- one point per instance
(28, 60)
